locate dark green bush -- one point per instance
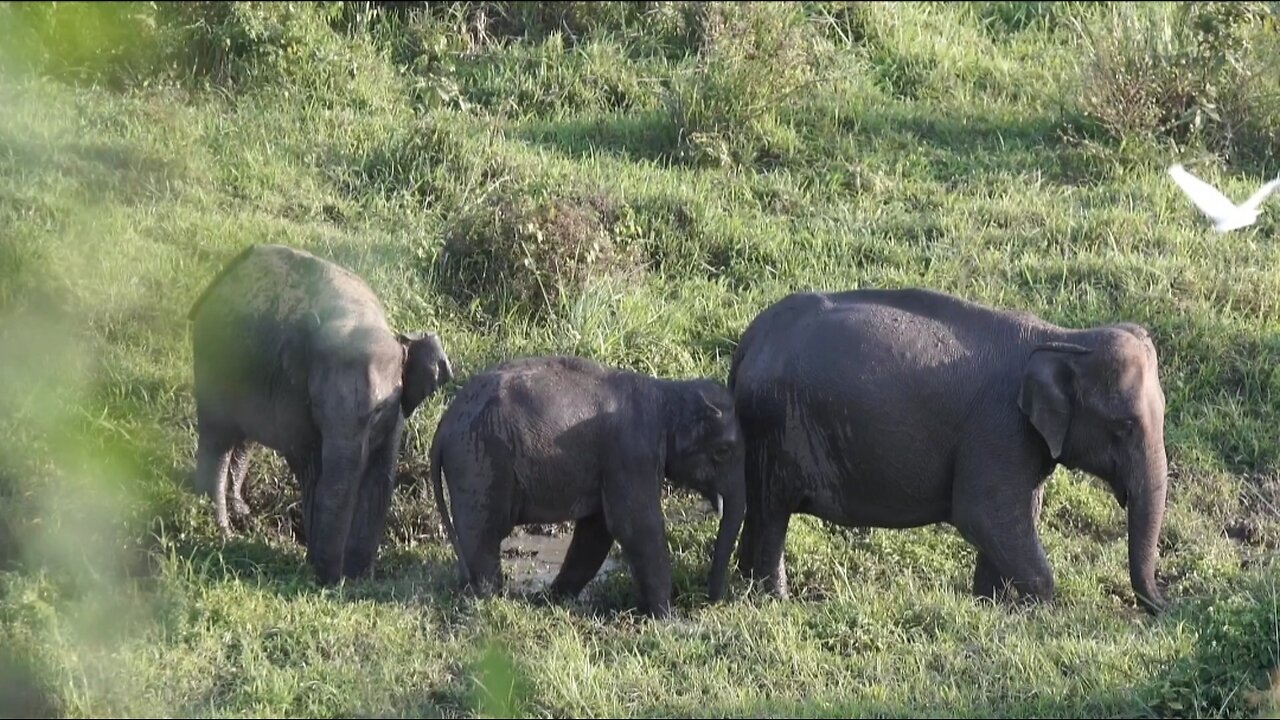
(116, 44)
(515, 249)
(1237, 651)
(652, 24)
(292, 45)
(753, 58)
(1201, 73)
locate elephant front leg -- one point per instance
(988, 583)
(998, 516)
(373, 503)
(633, 515)
(586, 554)
(305, 467)
(328, 510)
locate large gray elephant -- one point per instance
(907, 407)
(554, 439)
(294, 352)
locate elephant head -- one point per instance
(1100, 409)
(705, 453)
(426, 369)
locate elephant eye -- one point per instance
(1125, 426)
(722, 452)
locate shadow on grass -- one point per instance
(636, 137)
(831, 704)
(959, 147)
(102, 170)
(400, 575)
(22, 693)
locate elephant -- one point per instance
(907, 407)
(550, 439)
(294, 352)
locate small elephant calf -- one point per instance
(553, 439)
(294, 353)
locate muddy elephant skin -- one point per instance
(558, 439)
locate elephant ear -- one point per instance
(702, 420)
(1045, 396)
(426, 369)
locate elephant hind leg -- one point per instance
(746, 549)
(770, 555)
(586, 554)
(480, 529)
(478, 490)
(764, 528)
(482, 555)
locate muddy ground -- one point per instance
(531, 556)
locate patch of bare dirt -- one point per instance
(1257, 524)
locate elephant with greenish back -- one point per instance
(906, 407)
(558, 439)
(294, 352)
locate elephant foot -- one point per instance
(1006, 593)
(561, 592)
(327, 573)
(239, 508)
(485, 587)
(542, 597)
(358, 567)
(328, 579)
(660, 610)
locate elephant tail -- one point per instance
(739, 351)
(437, 487)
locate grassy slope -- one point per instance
(914, 161)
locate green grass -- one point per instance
(955, 147)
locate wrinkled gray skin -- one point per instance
(554, 439)
(903, 408)
(293, 352)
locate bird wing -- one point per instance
(1205, 196)
(1256, 199)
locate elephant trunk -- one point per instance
(1145, 506)
(733, 508)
